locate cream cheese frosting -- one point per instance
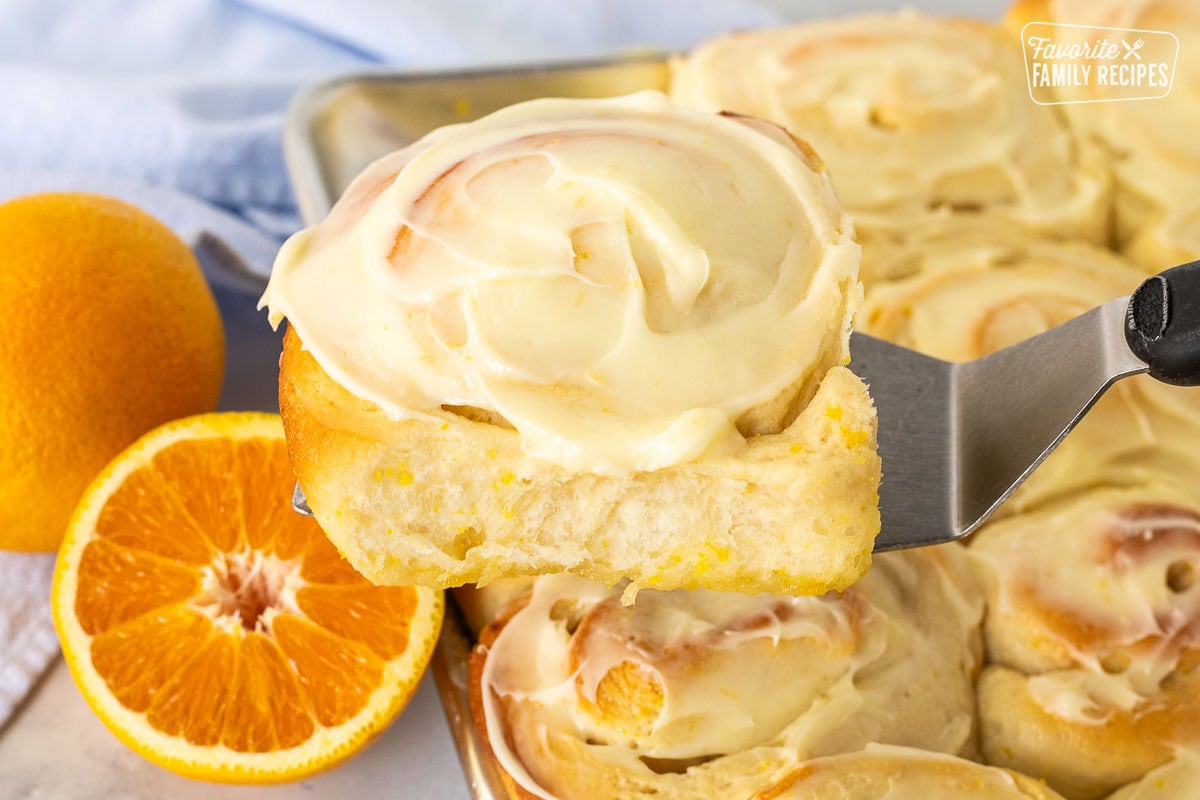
(1105, 622)
(916, 115)
(697, 694)
(1093, 637)
(620, 280)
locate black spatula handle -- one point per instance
(1162, 325)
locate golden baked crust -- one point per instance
(1093, 637)
(475, 690)
(901, 773)
(1178, 778)
(451, 501)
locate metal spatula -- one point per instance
(957, 439)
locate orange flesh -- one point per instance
(223, 616)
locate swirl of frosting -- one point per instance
(915, 116)
(1093, 634)
(629, 284)
(960, 291)
(700, 694)
(1154, 145)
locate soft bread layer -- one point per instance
(916, 116)
(708, 694)
(881, 772)
(960, 290)
(446, 501)
(1094, 651)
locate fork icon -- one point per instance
(1132, 50)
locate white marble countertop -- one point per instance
(55, 748)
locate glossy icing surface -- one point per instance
(620, 280)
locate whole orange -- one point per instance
(107, 329)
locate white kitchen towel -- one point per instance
(27, 640)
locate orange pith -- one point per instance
(214, 623)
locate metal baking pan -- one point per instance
(334, 129)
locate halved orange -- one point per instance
(214, 630)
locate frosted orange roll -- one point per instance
(707, 694)
(915, 115)
(962, 290)
(599, 336)
(1154, 145)
(1093, 638)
